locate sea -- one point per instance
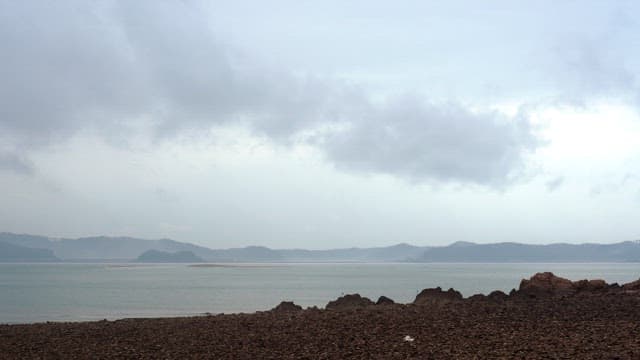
(65, 292)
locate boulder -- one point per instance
(544, 285)
(287, 306)
(477, 297)
(498, 296)
(590, 285)
(383, 300)
(495, 296)
(437, 296)
(349, 301)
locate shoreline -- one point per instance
(546, 317)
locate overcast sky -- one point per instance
(321, 124)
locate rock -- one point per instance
(590, 285)
(287, 306)
(349, 301)
(548, 285)
(498, 296)
(383, 300)
(477, 297)
(544, 285)
(437, 296)
(634, 285)
(495, 296)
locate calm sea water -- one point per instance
(74, 292)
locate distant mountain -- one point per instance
(32, 241)
(247, 254)
(17, 253)
(400, 252)
(102, 248)
(155, 256)
(628, 251)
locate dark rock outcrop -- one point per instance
(634, 285)
(494, 296)
(549, 285)
(477, 297)
(349, 301)
(383, 300)
(498, 296)
(544, 285)
(590, 285)
(437, 296)
(287, 306)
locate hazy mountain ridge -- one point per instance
(627, 251)
(155, 256)
(399, 252)
(102, 248)
(16, 253)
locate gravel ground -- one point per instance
(578, 327)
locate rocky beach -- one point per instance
(547, 317)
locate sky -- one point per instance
(321, 124)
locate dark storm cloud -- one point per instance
(68, 66)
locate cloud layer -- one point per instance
(116, 68)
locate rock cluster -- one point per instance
(287, 306)
(498, 295)
(547, 284)
(349, 301)
(437, 296)
(383, 300)
(494, 296)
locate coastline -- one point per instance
(547, 317)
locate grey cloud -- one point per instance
(68, 66)
(63, 69)
(615, 184)
(15, 163)
(72, 65)
(422, 141)
(591, 71)
(600, 63)
(554, 184)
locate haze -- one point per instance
(295, 124)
